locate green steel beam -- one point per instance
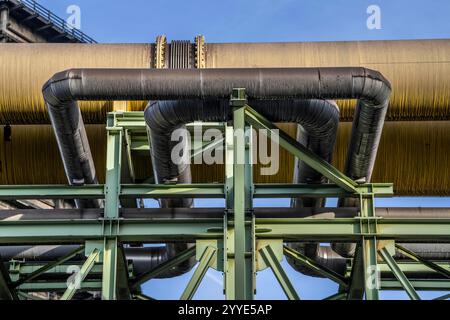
(419, 285)
(313, 265)
(127, 169)
(112, 204)
(408, 267)
(271, 260)
(399, 274)
(242, 183)
(141, 296)
(351, 229)
(369, 248)
(13, 192)
(49, 266)
(41, 286)
(199, 273)
(199, 190)
(109, 274)
(6, 293)
(356, 285)
(228, 225)
(444, 297)
(140, 144)
(235, 229)
(319, 191)
(439, 269)
(25, 296)
(26, 268)
(154, 230)
(123, 281)
(174, 261)
(80, 230)
(87, 266)
(300, 151)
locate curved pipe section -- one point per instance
(63, 90)
(318, 119)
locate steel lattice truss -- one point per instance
(236, 242)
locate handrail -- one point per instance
(54, 19)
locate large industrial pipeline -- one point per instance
(365, 161)
(63, 90)
(418, 70)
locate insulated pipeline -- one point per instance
(63, 90)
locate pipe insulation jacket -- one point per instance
(63, 90)
(318, 118)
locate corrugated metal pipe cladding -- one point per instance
(298, 95)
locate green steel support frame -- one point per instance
(239, 244)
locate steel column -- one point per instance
(243, 252)
(399, 274)
(369, 248)
(112, 192)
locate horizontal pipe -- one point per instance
(260, 83)
(63, 90)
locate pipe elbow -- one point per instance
(58, 90)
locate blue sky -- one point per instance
(254, 21)
(257, 20)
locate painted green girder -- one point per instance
(47, 267)
(234, 239)
(271, 260)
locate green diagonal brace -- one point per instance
(399, 274)
(141, 296)
(427, 263)
(313, 265)
(199, 273)
(271, 260)
(298, 150)
(444, 297)
(172, 262)
(85, 269)
(337, 296)
(49, 266)
(5, 292)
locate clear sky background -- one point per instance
(256, 21)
